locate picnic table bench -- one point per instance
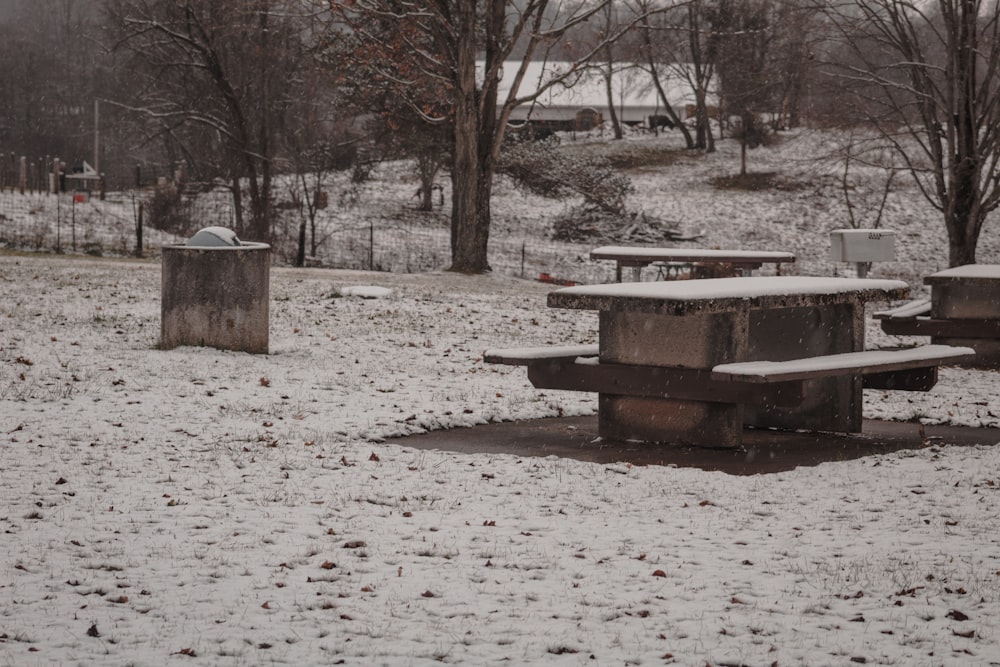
(716, 263)
(693, 362)
(964, 309)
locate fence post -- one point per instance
(523, 253)
(23, 175)
(371, 245)
(55, 175)
(58, 225)
(138, 230)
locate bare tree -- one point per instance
(675, 44)
(438, 43)
(607, 68)
(927, 76)
(216, 78)
(869, 170)
(655, 57)
(739, 45)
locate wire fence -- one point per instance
(122, 224)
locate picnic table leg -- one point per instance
(832, 404)
(691, 341)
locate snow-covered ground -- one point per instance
(196, 506)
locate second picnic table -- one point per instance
(741, 262)
(964, 309)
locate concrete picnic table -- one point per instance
(700, 324)
(742, 261)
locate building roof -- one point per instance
(633, 92)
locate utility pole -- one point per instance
(97, 136)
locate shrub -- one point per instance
(165, 210)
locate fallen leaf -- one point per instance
(659, 573)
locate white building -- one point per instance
(581, 101)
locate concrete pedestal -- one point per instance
(216, 297)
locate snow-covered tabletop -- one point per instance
(968, 272)
(725, 294)
(646, 255)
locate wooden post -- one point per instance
(23, 175)
(138, 232)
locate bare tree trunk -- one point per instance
(237, 191)
(470, 214)
(701, 77)
(661, 93)
(608, 73)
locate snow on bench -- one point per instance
(523, 356)
(912, 319)
(907, 311)
(869, 362)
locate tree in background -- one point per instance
(215, 79)
(656, 60)
(437, 44)
(739, 46)
(928, 78)
(675, 41)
